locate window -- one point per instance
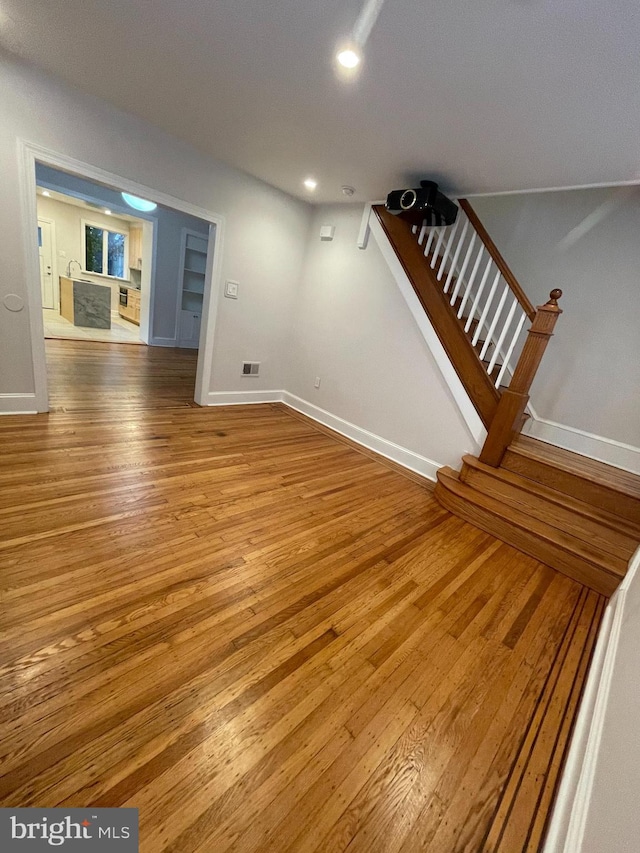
(104, 250)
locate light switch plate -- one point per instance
(231, 289)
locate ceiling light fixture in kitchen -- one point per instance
(139, 203)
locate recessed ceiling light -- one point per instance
(48, 194)
(108, 212)
(348, 58)
(139, 203)
(310, 183)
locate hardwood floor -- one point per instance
(266, 640)
(87, 375)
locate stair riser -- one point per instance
(551, 513)
(570, 565)
(597, 494)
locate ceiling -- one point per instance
(78, 202)
(482, 95)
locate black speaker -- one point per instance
(424, 204)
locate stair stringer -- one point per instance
(472, 421)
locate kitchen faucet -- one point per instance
(69, 267)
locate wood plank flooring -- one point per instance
(110, 376)
(264, 639)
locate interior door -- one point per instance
(45, 249)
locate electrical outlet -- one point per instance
(231, 289)
(316, 384)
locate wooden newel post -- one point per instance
(507, 422)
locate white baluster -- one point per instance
(423, 231)
(445, 255)
(509, 352)
(465, 264)
(456, 256)
(472, 278)
(414, 229)
(494, 322)
(502, 335)
(485, 310)
(476, 301)
(436, 251)
(432, 234)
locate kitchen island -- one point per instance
(84, 303)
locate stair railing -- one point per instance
(508, 419)
(479, 311)
(480, 286)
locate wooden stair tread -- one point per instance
(581, 519)
(566, 540)
(582, 466)
(582, 561)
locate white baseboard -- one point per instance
(18, 404)
(401, 455)
(242, 398)
(162, 342)
(597, 447)
(571, 810)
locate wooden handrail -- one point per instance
(499, 261)
(507, 422)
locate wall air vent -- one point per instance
(250, 368)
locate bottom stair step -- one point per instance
(590, 524)
(580, 560)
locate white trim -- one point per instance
(365, 229)
(29, 153)
(596, 447)
(401, 455)
(54, 257)
(458, 392)
(163, 342)
(571, 810)
(602, 185)
(396, 453)
(242, 398)
(18, 404)
(27, 177)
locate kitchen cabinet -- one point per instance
(189, 336)
(130, 311)
(135, 247)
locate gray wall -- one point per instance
(590, 376)
(265, 229)
(353, 329)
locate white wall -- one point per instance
(353, 329)
(596, 806)
(265, 229)
(336, 314)
(590, 376)
(68, 228)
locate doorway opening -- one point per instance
(94, 264)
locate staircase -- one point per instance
(577, 515)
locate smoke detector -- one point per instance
(348, 191)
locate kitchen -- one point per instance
(91, 264)
(151, 260)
